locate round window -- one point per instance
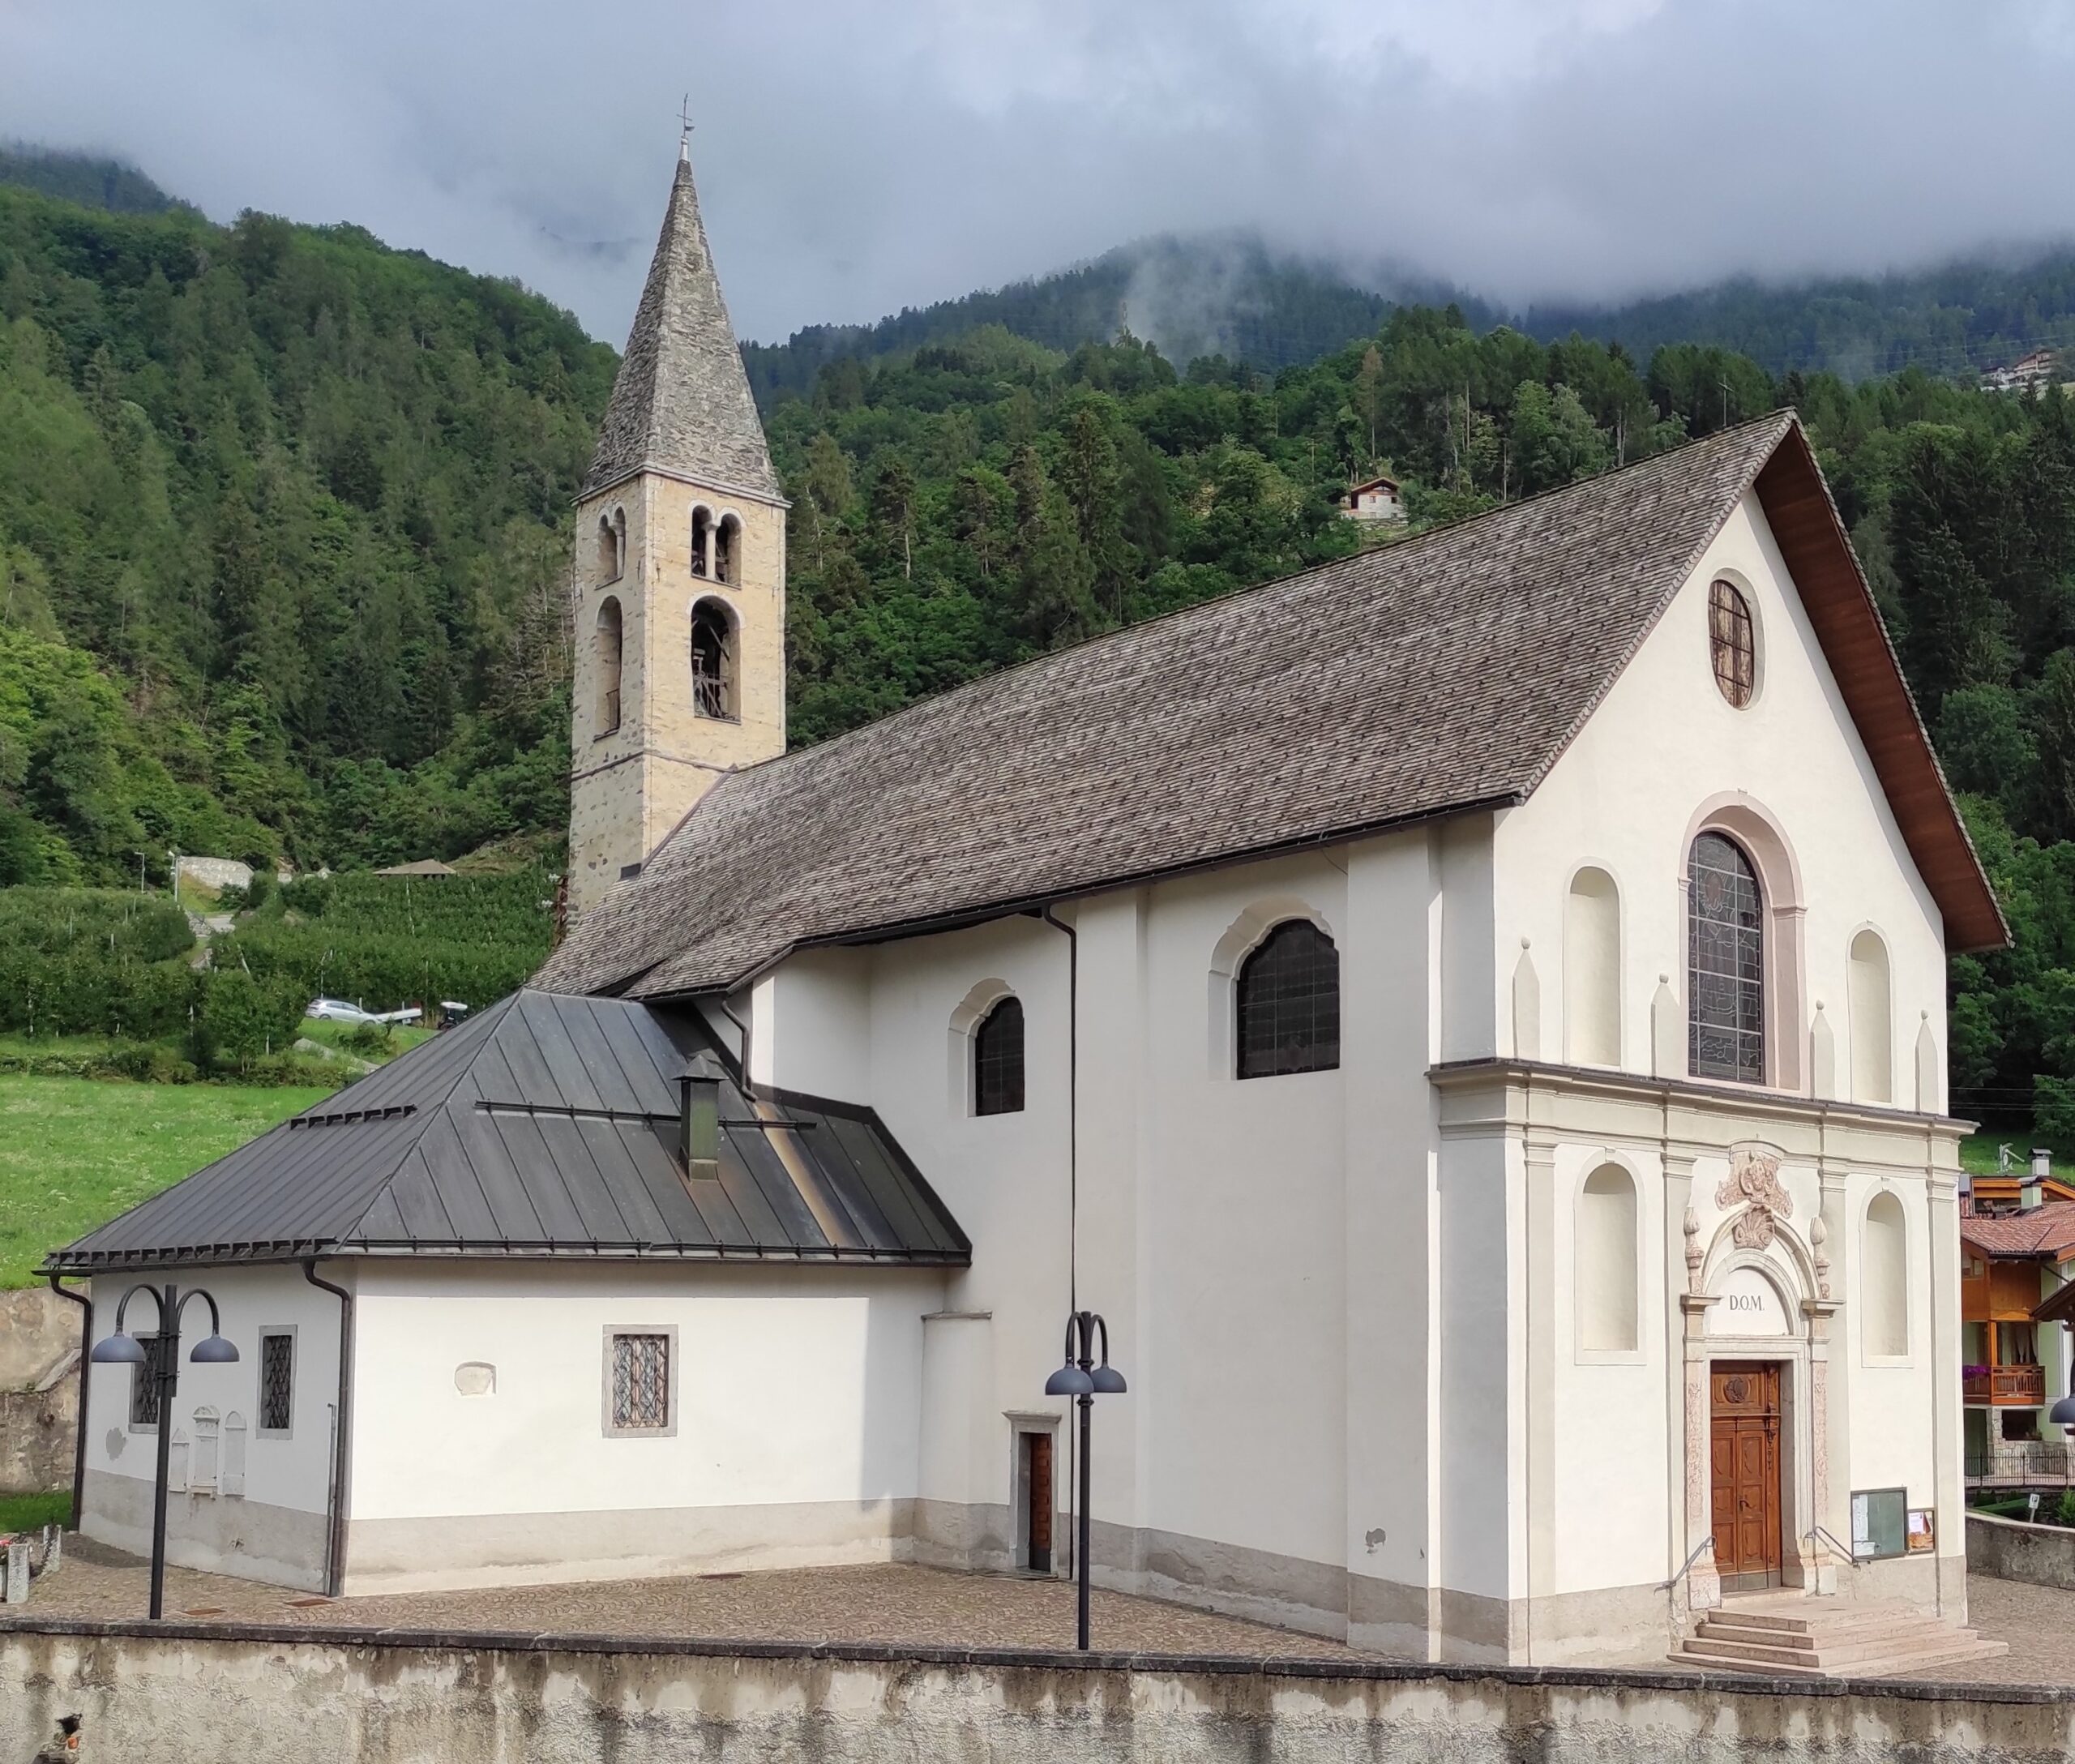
(1732, 644)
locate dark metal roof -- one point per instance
(1443, 673)
(547, 1126)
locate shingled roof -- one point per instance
(1442, 673)
(682, 403)
(547, 1126)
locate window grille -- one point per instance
(144, 1384)
(1732, 644)
(1725, 964)
(641, 1381)
(998, 1060)
(1289, 1004)
(276, 1381)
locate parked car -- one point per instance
(337, 1011)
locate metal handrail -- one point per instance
(1824, 1532)
(1686, 1568)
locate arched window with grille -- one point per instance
(713, 661)
(998, 1060)
(608, 641)
(1289, 1002)
(1725, 963)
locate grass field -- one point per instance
(31, 1513)
(1978, 1151)
(75, 1152)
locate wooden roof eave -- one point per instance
(1840, 605)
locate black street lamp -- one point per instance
(1082, 1379)
(121, 1349)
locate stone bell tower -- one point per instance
(680, 577)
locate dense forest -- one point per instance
(283, 543)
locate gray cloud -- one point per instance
(855, 159)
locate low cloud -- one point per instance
(854, 160)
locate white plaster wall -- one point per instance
(294, 1472)
(1663, 742)
(793, 1385)
(814, 1025)
(1480, 1344)
(1892, 1404)
(1611, 1499)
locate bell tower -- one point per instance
(680, 575)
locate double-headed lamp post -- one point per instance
(122, 1349)
(1083, 1378)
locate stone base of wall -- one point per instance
(250, 1539)
(176, 1693)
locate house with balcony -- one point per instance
(2015, 1270)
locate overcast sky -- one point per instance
(855, 157)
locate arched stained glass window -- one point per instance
(1725, 964)
(1289, 1003)
(998, 1060)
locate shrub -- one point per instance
(241, 1018)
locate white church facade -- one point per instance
(1471, 1018)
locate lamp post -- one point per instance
(1083, 1378)
(123, 1349)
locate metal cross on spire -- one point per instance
(684, 139)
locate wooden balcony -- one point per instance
(2019, 1387)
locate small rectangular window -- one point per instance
(144, 1386)
(640, 1381)
(277, 1383)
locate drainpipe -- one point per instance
(86, 1367)
(334, 1505)
(1073, 1166)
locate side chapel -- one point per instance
(1471, 1015)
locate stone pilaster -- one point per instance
(1703, 1580)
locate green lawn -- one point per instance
(1978, 1151)
(75, 1152)
(31, 1513)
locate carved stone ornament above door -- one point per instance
(1753, 1181)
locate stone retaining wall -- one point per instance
(182, 1692)
(39, 1390)
(2010, 1549)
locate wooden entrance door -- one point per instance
(1744, 1467)
(1037, 1481)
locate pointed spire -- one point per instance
(682, 402)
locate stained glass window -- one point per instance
(641, 1381)
(276, 1381)
(144, 1383)
(1289, 1004)
(1725, 963)
(1732, 644)
(998, 1060)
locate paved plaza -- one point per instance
(891, 1602)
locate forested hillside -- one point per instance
(281, 545)
(283, 513)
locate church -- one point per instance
(1471, 1017)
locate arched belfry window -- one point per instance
(1289, 1002)
(702, 541)
(608, 645)
(998, 1060)
(612, 545)
(1732, 644)
(713, 661)
(727, 548)
(1725, 963)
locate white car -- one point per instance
(337, 1011)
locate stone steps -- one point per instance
(1815, 1638)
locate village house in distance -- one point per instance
(1471, 1015)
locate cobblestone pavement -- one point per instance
(877, 1602)
(887, 1603)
